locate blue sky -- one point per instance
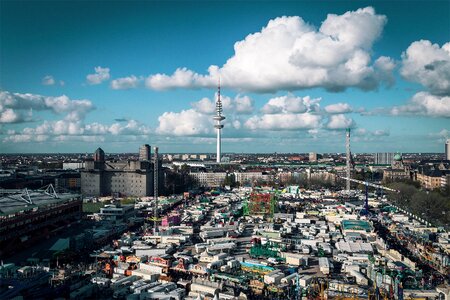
(281, 64)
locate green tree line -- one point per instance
(433, 206)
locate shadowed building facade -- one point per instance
(117, 178)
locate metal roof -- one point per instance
(354, 247)
(15, 201)
(356, 225)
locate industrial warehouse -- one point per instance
(29, 216)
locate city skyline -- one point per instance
(293, 76)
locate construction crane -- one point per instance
(367, 184)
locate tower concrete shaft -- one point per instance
(347, 170)
(219, 118)
(219, 145)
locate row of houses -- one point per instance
(214, 179)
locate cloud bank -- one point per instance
(15, 106)
(290, 54)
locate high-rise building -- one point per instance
(99, 155)
(144, 152)
(383, 158)
(447, 149)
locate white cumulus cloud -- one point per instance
(186, 122)
(8, 115)
(288, 121)
(181, 78)
(100, 75)
(429, 65)
(132, 127)
(238, 105)
(22, 105)
(48, 80)
(204, 106)
(289, 54)
(125, 83)
(242, 104)
(384, 67)
(291, 104)
(338, 108)
(340, 121)
(425, 104)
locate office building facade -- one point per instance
(383, 158)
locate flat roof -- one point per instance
(14, 201)
(356, 225)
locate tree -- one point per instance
(178, 180)
(445, 191)
(230, 180)
(431, 206)
(404, 196)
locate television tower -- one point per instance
(218, 118)
(347, 146)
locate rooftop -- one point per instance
(356, 225)
(14, 201)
